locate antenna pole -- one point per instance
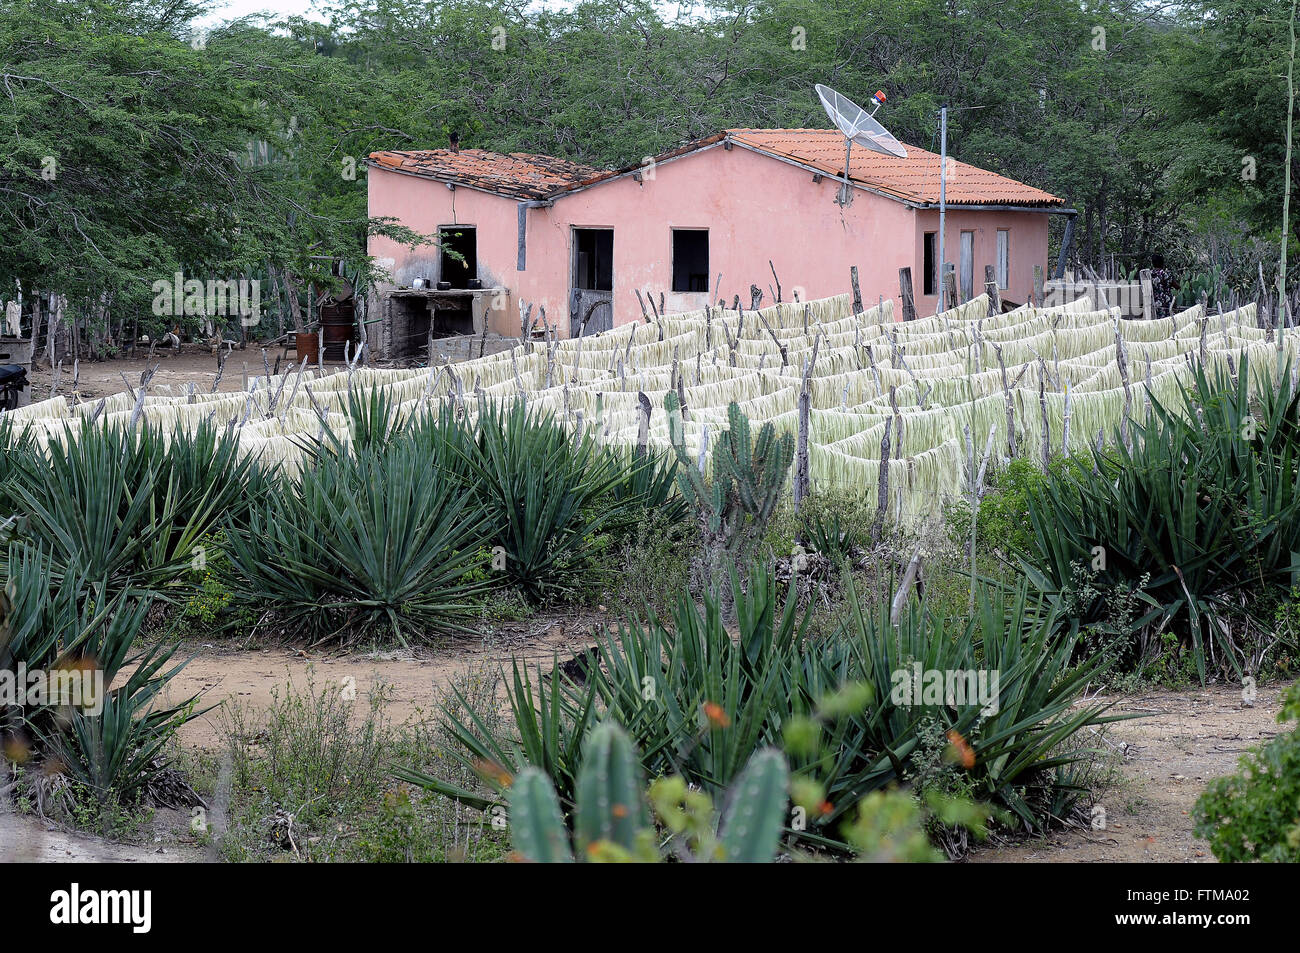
(943, 196)
(845, 194)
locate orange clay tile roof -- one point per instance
(914, 179)
(518, 174)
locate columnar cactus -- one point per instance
(609, 794)
(613, 823)
(755, 814)
(748, 479)
(536, 823)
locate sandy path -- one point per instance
(415, 679)
(26, 839)
(1187, 738)
(196, 365)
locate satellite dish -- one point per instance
(858, 126)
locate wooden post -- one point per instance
(801, 478)
(905, 292)
(882, 485)
(1065, 436)
(643, 424)
(1038, 286)
(991, 289)
(857, 291)
(1148, 291)
(1121, 359)
(949, 288)
(802, 483)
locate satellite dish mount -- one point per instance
(858, 126)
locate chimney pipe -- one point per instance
(455, 142)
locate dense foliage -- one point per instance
(137, 144)
(700, 703)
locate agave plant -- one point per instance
(1014, 731)
(112, 746)
(698, 700)
(826, 534)
(1202, 514)
(127, 508)
(548, 493)
(366, 541)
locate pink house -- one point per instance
(696, 224)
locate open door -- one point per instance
(459, 255)
(591, 300)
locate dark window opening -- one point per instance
(690, 259)
(931, 256)
(593, 259)
(459, 254)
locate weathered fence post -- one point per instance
(905, 293)
(991, 288)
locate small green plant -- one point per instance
(837, 542)
(1255, 815)
(102, 748)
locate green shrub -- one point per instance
(549, 494)
(699, 699)
(366, 543)
(1201, 518)
(110, 753)
(1255, 815)
(308, 777)
(128, 508)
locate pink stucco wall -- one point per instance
(1027, 246)
(755, 207)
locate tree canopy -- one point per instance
(135, 145)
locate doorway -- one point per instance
(459, 254)
(591, 300)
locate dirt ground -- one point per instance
(1163, 759)
(26, 839)
(414, 680)
(1185, 739)
(198, 366)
